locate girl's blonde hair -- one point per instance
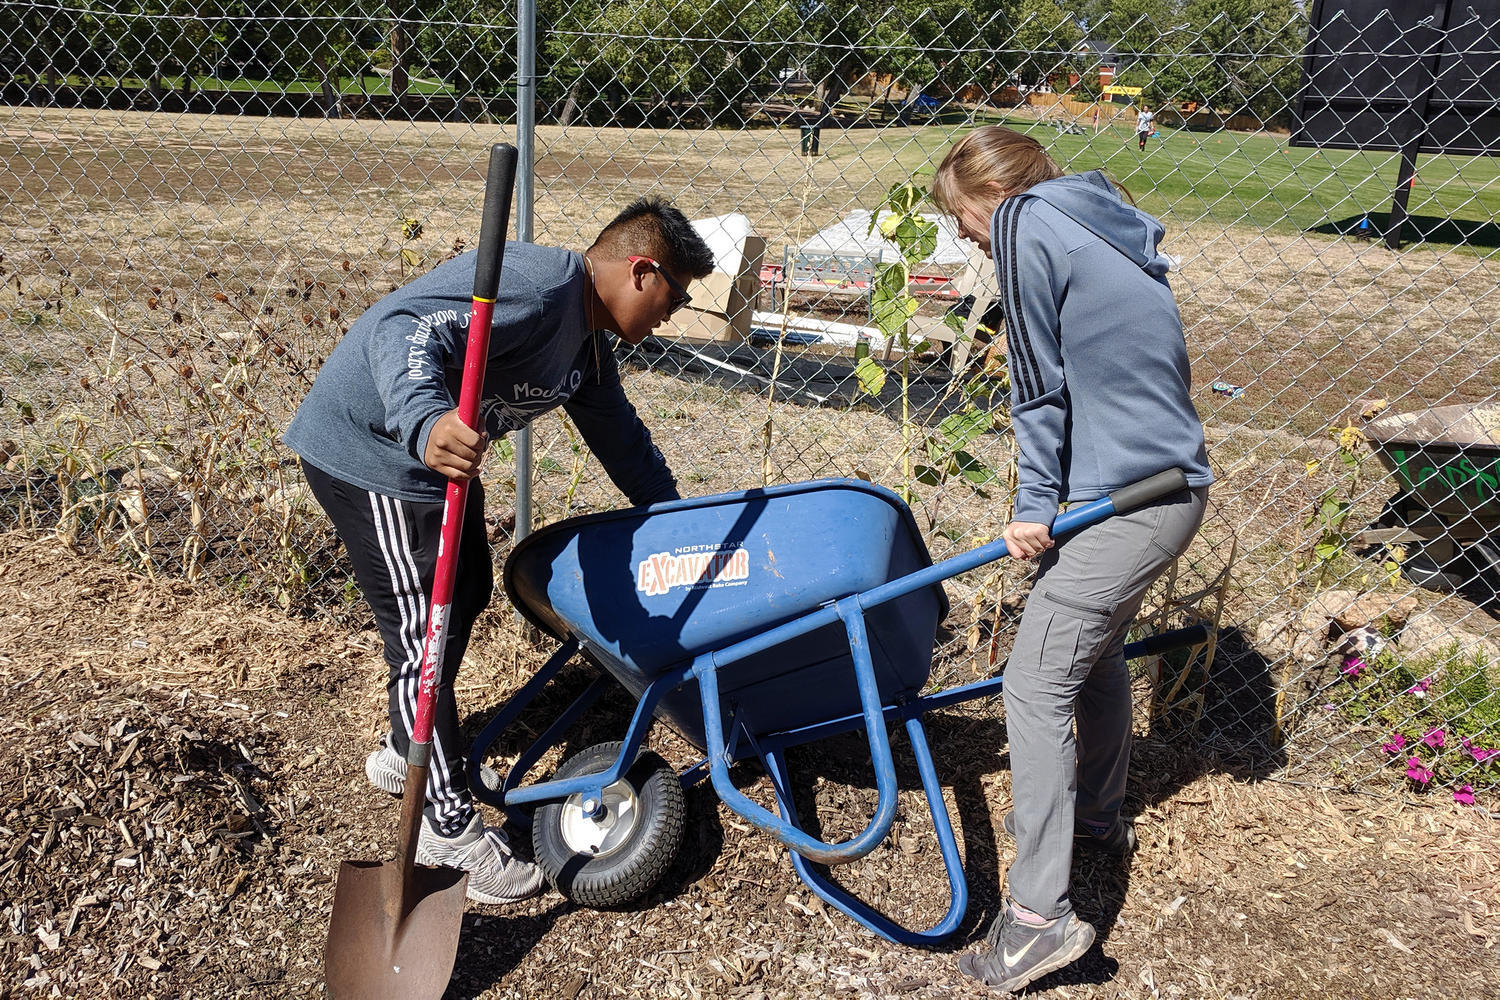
(991, 154)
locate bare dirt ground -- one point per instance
(182, 775)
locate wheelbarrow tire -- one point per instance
(643, 848)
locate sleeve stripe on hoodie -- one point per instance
(1026, 374)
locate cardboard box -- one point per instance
(979, 281)
(722, 301)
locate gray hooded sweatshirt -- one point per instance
(368, 415)
(1098, 365)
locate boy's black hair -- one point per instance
(652, 227)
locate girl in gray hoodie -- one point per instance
(1099, 399)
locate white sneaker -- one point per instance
(495, 875)
(386, 770)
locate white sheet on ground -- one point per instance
(851, 236)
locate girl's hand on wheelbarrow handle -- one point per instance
(1027, 539)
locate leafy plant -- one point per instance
(1334, 506)
(411, 258)
(170, 460)
(929, 456)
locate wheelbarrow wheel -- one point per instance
(618, 855)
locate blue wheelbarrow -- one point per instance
(750, 622)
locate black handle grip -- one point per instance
(1164, 641)
(1136, 494)
(499, 184)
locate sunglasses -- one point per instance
(680, 296)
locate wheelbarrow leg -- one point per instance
(706, 668)
(509, 712)
(859, 910)
(609, 823)
(635, 738)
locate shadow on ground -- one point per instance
(1417, 229)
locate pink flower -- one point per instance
(1420, 688)
(1435, 738)
(1480, 755)
(1464, 796)
(1416, 772)
(1352, 666)
(1396, 745)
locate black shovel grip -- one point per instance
(498, 185)
(1152, 488)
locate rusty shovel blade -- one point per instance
(389, 941)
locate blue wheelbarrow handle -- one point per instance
(851, 611)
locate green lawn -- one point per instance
(1233, 178)
(1255, 180)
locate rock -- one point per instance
(1299, 637)
(1311, 634)
(1349, 611)
(1428, 637)
(1271, 639)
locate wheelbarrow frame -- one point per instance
(725, 744)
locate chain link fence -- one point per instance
(197, 200)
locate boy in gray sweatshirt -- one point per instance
(379, 437)
(1099, 399)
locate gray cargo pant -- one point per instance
(1068, 663)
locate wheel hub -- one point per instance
(609, 828)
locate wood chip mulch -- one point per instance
(181, 774)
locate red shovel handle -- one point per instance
(498, 186)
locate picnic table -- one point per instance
(845, 276)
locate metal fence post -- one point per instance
(525, 206)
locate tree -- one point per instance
(293, 40)
(924, 44)
(1236, 55)
(1048, 37)
(654, 56)
(955, 43)
(470, 46)
(1136, 30)
(144, 35)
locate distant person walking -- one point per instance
(1143, 124)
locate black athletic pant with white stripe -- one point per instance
(393, 546)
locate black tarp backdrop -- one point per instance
(1411, 78)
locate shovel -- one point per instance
(395, 925)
